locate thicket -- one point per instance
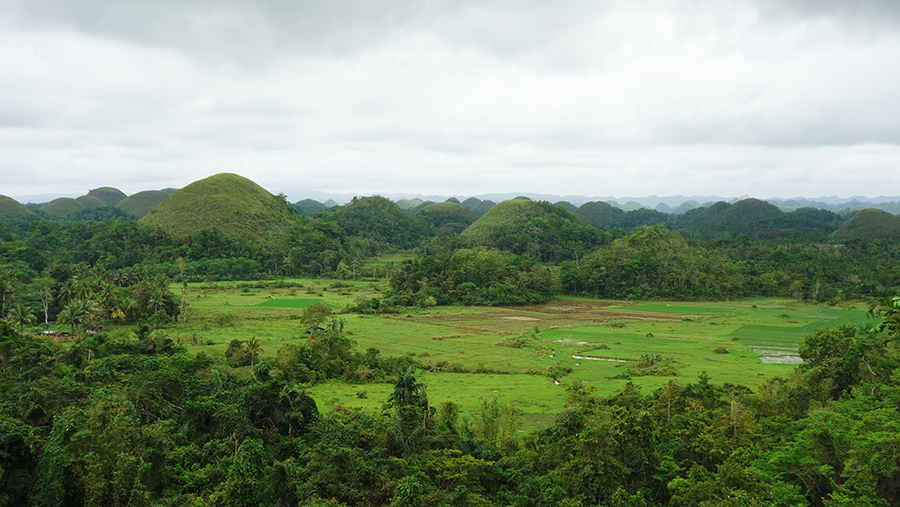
(478, 276)
(140, 422)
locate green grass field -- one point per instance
(598, 340)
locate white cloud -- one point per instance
(572, 97)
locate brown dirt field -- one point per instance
(557, 313)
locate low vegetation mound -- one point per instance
(447, 216)
(309, 207)
(869, 224)
(478, 206)
(650, 263)
(140, 203)
(109, 195)
(478, 276)
(232, 204)
(566, 205)
(748, 216)
(407, 204)
(10, 207)
(539, 230)
(62, 207)
(378, 219)
(600, 214)
(90, 201)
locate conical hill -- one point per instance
(109, 195)
(536, 229)
(140, 203)
(869, 224)
(62, 207)
(235, 205)
(10, 207)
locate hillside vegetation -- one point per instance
(447, 216)
(869, 225)
(90, 201)
(62, 207)
(10, 207)
(109, 195)
(232, 204)
(539, 230)
(140, 203)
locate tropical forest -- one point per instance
(217, 345)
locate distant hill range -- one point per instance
(709, 214)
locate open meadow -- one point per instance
(527, 357)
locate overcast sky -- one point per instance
(623, 98)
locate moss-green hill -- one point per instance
(235, 205)
(140, 203)
(91, 201)
(537, 229)
(379, 219)
(600, 214)
(447, 216)
(62, 207)
(406, 204)
(869, 224)
(747, 216)
(109, 195)
(10, 207)
(478, 206)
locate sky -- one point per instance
(763, 98)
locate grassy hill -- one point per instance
(448, 216)
(140, 203)
(62, 207)
(747, 216)
(235, 205)
(867, 225)
(537, 229)
(379, 219)
(109, 195)
(600, 214)
(10, 207)
(91, 201)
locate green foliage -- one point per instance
(309, 207)
(869, 225)
(62, 207)
(650, 263)
(538, 230)
(478, 206)
(494, 425)
(447, 216)
(90, 201)
(238, 207)
(109, 196)
(139, 204)
(10, 207)
(315, 314)
(478, 276)
(379, 224)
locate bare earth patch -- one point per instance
(554, 314)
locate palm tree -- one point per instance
(19, 316)
(252, 347)
(78, 314)
(337, 324)
(157, 300)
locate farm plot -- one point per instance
(526, 356)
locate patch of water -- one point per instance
(777, 355)
(569, 340)
(590, 358)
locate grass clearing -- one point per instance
(741, 342)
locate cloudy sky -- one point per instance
(624, 98)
